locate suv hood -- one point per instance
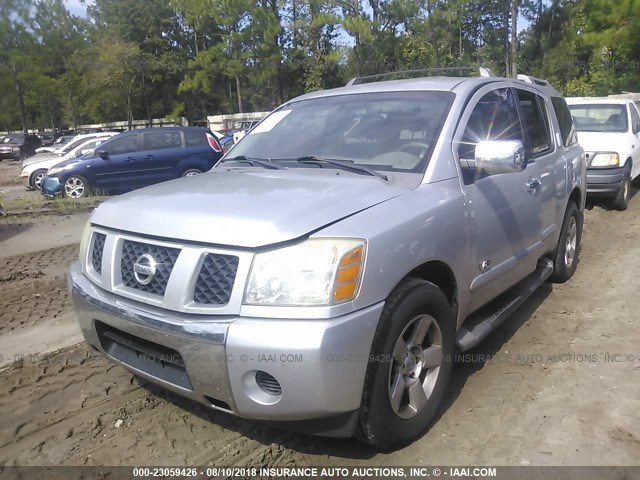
(249, 207)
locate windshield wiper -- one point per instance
(342, 164)
(254, 161)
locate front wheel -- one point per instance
(36, 179)
(565, 260)
(410, 365)
(76, 187)
(621, 202)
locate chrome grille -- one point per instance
(97, 250)
(215, 280)
(165, 258)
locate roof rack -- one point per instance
(532, 80)
(427, 72)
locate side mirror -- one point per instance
(103, 154)
(500, 156)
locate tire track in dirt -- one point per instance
(33, 287)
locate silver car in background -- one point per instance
(324, 274)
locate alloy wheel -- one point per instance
(417, 358)
(571, 243)
(37, 180)
(74, 187)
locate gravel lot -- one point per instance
(545, 389)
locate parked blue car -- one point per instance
(135, 159)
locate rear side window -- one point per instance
(194, 138)
(535, 123)
(161, 140)
(495, 117)
(567, 129)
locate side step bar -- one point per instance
(489, 317)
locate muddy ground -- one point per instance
(557, 384)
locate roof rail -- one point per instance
(532, 80)
(483, 72)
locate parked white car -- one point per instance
(35, 170)
(609, 131)
(59, 144)
(69, 149)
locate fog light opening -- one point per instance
(268, 383)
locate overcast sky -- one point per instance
(76, 7)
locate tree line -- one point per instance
(172, 58)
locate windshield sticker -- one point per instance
(271, 121)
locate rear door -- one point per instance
(504, 211)
(120, 170)
(161, 152)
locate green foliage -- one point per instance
(153, 58)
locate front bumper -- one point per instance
(10, 155)
(604, 181)
(51, 186)
(319, 364)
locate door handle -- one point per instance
(130, 159)
(149, 157)
(533, 183)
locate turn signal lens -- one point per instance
(349, 275)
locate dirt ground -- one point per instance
(557, 384)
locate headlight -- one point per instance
(84, 243)
(605, 160)
(324, 271)
(54, 170)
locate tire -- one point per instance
(35, 180)
(76, 187)
(190, 172)
(416, 305)
(621, 202)
(566, 257)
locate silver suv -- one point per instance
(325, 273)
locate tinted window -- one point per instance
(161, 140)
(495, 117)
(567, 129)
(119, 145)
(535, 123)
(635, 118)
(600, 117)
(194, 138)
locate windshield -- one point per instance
(599, 117)
(393, 131)
(14, 139)
(71, 145)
